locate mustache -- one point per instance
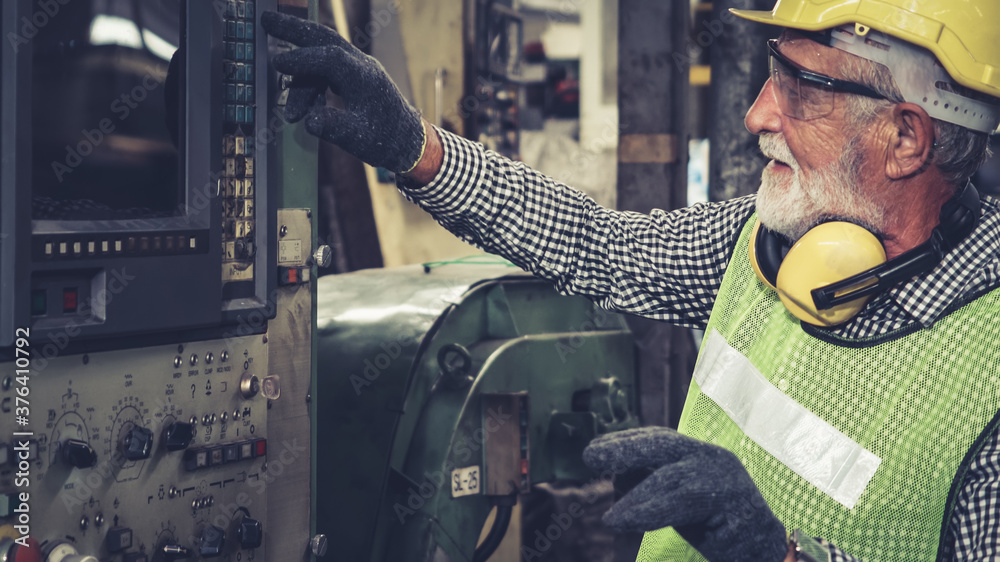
(773, 146)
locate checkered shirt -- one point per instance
(669, 266)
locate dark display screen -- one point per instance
(105, 111)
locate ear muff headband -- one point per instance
(804, 281)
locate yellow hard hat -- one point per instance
(960, 33)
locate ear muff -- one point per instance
(826, 254)
(830, 273)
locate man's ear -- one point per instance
(910, 145)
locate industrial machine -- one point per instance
(155, 302)
(450, 391)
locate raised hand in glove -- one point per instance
(699, 489)
(377, 124)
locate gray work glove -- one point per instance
(377, 124)
(699, 489)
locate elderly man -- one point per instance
(836, 393)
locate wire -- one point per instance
(482, 259)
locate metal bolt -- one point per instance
(318, 545)
(84, 523)
(283, 231)
(99, 519)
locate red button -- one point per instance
(30, 553)
(69, 300)
(261, 447)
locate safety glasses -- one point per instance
(806, 95)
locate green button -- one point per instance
(39, 302)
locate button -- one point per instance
(63, 248)
(246, 450)
(48, 248)
(250, 533)
(260, 447)
(105, 247)
(212, 540)
(178, 436)
(137, 443)
(248, 55)
(215, 456)
(118, 246)
(77, 248)
(234, 29)
(195, 459)
(8, 503)
(119, 539)
(91, 247)
(39, 302)
(231, 453)
(69, 300)
(78, 454)
(249, 34)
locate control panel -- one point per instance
(150, 454)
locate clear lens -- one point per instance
(799, 98)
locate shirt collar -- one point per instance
(959, 275)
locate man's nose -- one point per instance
(764, 115)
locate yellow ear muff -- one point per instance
(826, 254)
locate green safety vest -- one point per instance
(915, 405)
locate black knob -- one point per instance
(212, 540)
(137, 443)
(250, 533)
(178, 435)
(78, 454)
(175, 552)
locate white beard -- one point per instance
(792, 207)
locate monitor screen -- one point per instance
(105, 111)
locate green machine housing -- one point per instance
(445, 392)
